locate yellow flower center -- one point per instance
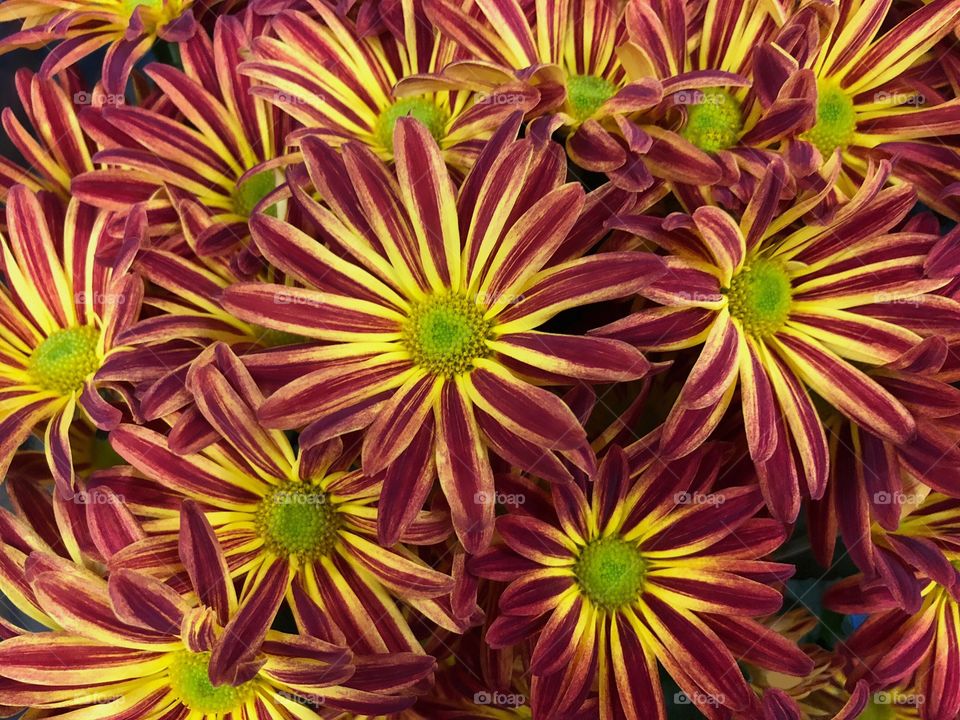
(190, 682)
(446, 333)
(714, 120)
(65, 359)
(610, 572)
(586, 93)
(298, 519)
(836, 120)
(130, 5)
(760, 297)
(252, 190)
(434, 117)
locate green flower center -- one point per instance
(65, 359)
(836, 120)
(433, 116)
(252, 190)
(714, 121)
(190, 682)
(130, 5)
(610, 572)
(760, 297)
(877, 711)
(298, 519)
(446, 333)
(586, 93)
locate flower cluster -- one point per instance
(508, 359)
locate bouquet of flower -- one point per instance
(463, 359)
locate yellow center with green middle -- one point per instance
(610, 571)
(190, 682)
(714, 120)
(587, 93)
(65, 359)
(434, 117)
(298, 519)
(252, 190)
(760, 297)
(836, 120)
(446, 333)
(130, 5)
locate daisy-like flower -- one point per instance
(293, 525)
(778, 309)
(908, 658)
(344, 86)
(657, 567)
(57, 150)
(428, 320)
(60, 315)
(132, 647)
(866, 105)
(728, 91)
(573, 53)
(128, 28)
(211, 163)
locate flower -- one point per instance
(867, 106)
(344, 86)
(428, 322)
(60, 315)
(58, 150)
(573, 53)
(654, 567)
(779, 309)
(215, 159)
(132, 645)
(734, 95)
(128, 28)
(293, 525)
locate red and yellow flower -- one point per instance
(428, 320)
(294, 526)
(778, 307)
(655, 566)
(345, 85)
(60, 315)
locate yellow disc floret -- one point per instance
(298, 519)
(836, 120)
(714, 120)
(434, 117)
(65, 359)
(610, 571)
(446, 333)
(760, 297)
(190, 682)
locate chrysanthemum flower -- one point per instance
(895, 649)
(866, 107)
(133, 647)
(658, 566)
(60, 315)
(728, 91)
(429, 320)
(573, 54)
(343, 86)
(778, 310)
(293, 525)
(58, 149)
(210, 163)
(80, 27)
